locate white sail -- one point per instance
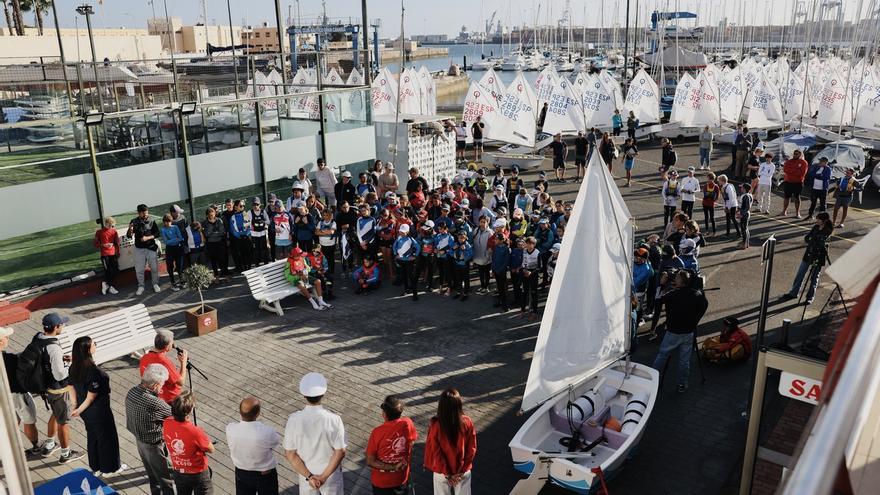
(564, 111)
(518, 112)
(834, 105)
(545, 84)
(867, 101)
(354, 78)
(598, 103)
(383, 94)
(765, 109)
(612, 87)
(586, 321)
(306, 80)
(732, 93)
(682, 111)
(409, 97)
(643, 98)
(430, 87)
(794, 102)
(332, 78)
(704, 101)
(479, 103)
(492, 84)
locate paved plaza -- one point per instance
(379, 344)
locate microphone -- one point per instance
(178, 349)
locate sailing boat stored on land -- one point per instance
(580, 377)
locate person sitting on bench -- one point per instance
(733, 345)
(297, 272)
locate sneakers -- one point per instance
(112, 289)
(122, 467)
(839, 226)
(324, 304)
(49, 448)
(174, 288)
(156, 288)
(72, 455)
(34, 452)
(140, 290)
(104, 287)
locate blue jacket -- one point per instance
(305, 232)
(462, 253)
(500, 258)
(171, 235)
(642, 273)
(426, 244)
(690, 262)
(842, 188)
(443, 219)
(616, 121)
(372, 277)
(462, 226)
(237, 226)
(546, 238)
(444, 242)
(816, 173)
(413, 251)
(516, 257)
(365, 229)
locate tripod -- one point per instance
(814, 272)
(699, 363)
(189, 369)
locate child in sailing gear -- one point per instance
(670, 195)
(297, 272)
(405, 250)
(462, 254)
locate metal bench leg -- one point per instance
(272, 309)
(278, 310)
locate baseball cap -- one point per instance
(272, 197)
(691, 169)
(52, 320)
(499, 223)
(6, 332)
(428, 225)
(176, 209)
(823, 159)
(389, 194)
(257, 201)
(687, 246)
(465, 202)
(556, 247)
(445, 207)
(542, 174)
(296, 251)
(313, 385)
(731, 321)
(499, 187)
(543, 221)
(346, 174)
(515, 168)
(389, 165)
(404, 228)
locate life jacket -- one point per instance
(672, 188)
(258, 221)
(711, 191)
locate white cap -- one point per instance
(390, 194)
(313, 385)
(501, 222)
(499, 187)
(177, 209)
(687, 245)
(346, 174)
(428, 225)
(465, 202)
(556, 247)
(389, 165)
(6, 332)
(449, 195)
(404, 228)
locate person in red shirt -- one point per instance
(733, 345)
(162, 344)
(451, 446)
(107, 243)
(188, 446)
(389, 450)
(795, 170)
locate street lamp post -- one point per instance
(87, 11)
(90, 121)
(63, 61)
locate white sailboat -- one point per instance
(580, 376)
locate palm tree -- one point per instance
(8, 18)
(16, 17)
(38, 7)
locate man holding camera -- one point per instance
(163, 344)
(685, 306)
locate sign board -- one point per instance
(800, 387)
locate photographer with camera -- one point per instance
(685, 306)
(163, 344)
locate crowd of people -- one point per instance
(160, 416)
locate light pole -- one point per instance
(87, 11)
(63, 61)
(89, 121)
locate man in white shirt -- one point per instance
(326, 180)
(690, 186)
(314, 441)
(250, 446)
(766, 171)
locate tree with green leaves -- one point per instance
(38, 7)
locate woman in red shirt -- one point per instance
(187, 447)
(710, 194)
(451, 446)
(107, 243)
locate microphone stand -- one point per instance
(189, 369)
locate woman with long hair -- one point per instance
(815, 257)
(451, 446)
(92, 387)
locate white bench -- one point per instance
(269, 287)
(117, 334)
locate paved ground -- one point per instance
(379, 344)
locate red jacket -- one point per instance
(442, 457)
(738, 336)
(795, 170)
(107, 236)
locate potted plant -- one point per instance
(202, 319)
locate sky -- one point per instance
(443, 16)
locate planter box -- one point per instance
(201, 323)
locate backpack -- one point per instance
(32, 363)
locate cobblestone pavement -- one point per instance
(378, 344)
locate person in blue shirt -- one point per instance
(174, 244)
(642, 274)
(616, 122)
(406, 250)
(443, 219)
(500, 266)
(461, 223)
(517, 248)
(546, 237)
(304, 225)
(363, 186)
(818, 178)
(425, 262)
(462, 254)
(366, 277)
(845, 189)
(240, 237)
(365, 232)
(443, 243)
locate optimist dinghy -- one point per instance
(592, 403)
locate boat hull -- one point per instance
(537, 443)
(508, 160)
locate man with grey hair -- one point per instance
(145, 414)
(163, 343)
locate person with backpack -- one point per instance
(92, 387)
(42, 370)
(21, 399)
